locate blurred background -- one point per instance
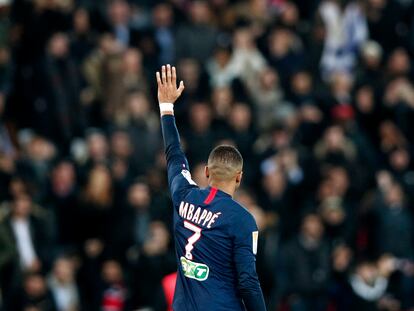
(317, 95)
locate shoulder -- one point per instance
(241, 219)
(182, 185)
(238, 209)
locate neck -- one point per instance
(18, 217)
(227, 187)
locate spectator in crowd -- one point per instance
(346, 30)
(97, 149)
(285, 52)
(154, 261)
(96, 204)
(134, 221)
(246, 59)
(305, 268)
(369, 70)
(220, 68)
(124, 74)
(142, 126)
(383, 18)
(96, 70)
(34, 295)
(197, 38)
(27, 227)
(164, 32)
(63, 286)
(119, 14)
(200, 137)
(267, 96)
(38, 154)
(62, 200)
(394, 224)
(244, 135)
(368, 286)
(62, 114)
(82, 37)
(335, 147)
(112, 293)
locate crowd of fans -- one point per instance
(318, 96)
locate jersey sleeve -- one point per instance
(245, 249)
(179, 177)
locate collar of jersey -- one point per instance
(219, 192)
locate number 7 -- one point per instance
(192, 239)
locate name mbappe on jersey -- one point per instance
(198, 215)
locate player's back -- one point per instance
(210, 230)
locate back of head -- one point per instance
(224, 163)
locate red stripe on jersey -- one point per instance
(211, 195)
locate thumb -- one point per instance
(181, 87)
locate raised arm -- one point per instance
(179, 178)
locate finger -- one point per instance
(181, 87)
(163, 75)
(169, 74)
(174, 76)
(158, 78)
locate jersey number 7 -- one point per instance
(192, 239)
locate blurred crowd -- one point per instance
(318, 96)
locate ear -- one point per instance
(206, 172)
(239, 177)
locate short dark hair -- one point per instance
(224, 162)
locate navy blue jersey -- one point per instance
(215, 239)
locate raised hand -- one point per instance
(167, 85)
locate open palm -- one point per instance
(167, 85)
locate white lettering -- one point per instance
(183, 209)
(203, 216)
(208, 217)
(196, 215)
(213, 220)
(190, 212)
